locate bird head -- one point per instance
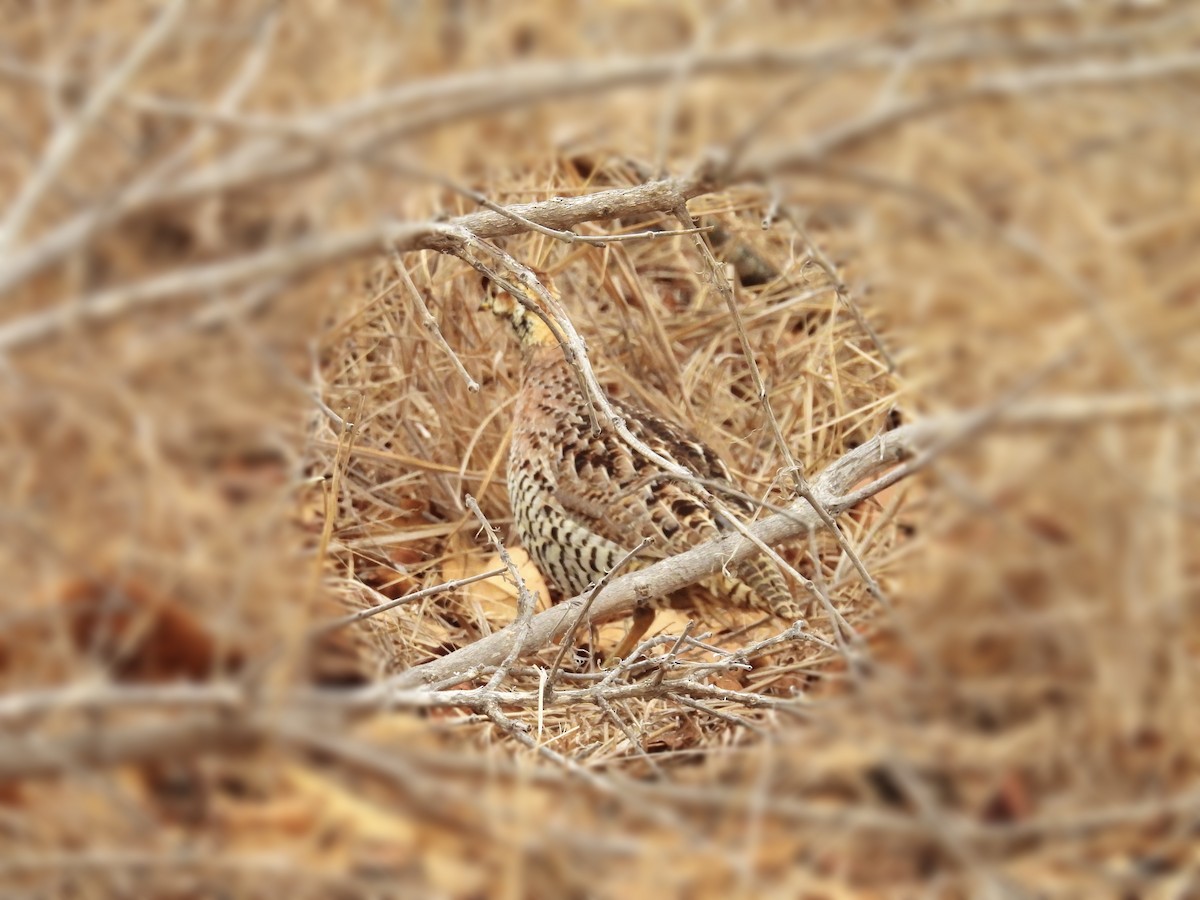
(528, 325)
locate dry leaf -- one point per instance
(495, 597)
(143, 636)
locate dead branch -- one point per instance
(70, 135)
(307, 254)
(559, 214)
(865, 461)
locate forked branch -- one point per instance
(832, 487)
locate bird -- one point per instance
(582, 498)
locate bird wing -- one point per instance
(625, 497)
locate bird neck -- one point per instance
(542, 362)
(532, 332)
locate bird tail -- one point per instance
(759, 585)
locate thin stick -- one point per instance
(584, 609)
(67, 138)
(518, 731)
(332, 484)
(739, 658)
(360, 615)
(564, 235)
(521, 282)
(606, 708)
(847, 136)
(723, 286)
(680, 79)
(526, 600)
(839, 285)
(672, 655)
(430, 323)
(277, 159)
(736, 721)
(876, 455)
(560, 213)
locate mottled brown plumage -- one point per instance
(581, 500)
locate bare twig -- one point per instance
(64, 238)
(523, 283)
(584, 609)
(845, 137)
(308, 253)
(970, 425)
(558, 214)
(724, 287)
(526, 600)
(736, 721)
(97, 697)
(33, 754)
(430, 322)
(680, 79)
(520, 733)
(566, 236)
(739, 658)
(386, 604)
(877, 455)
(67, 137)
(276, 158)
(610, 713)
(839, 285)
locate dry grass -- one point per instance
(181, 504)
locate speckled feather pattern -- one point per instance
(581, 500)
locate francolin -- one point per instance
(582, 500)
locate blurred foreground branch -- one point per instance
(225, 714)
(288, 259)
(18, 754)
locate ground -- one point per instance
(226, 423)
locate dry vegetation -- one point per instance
(226, 423)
